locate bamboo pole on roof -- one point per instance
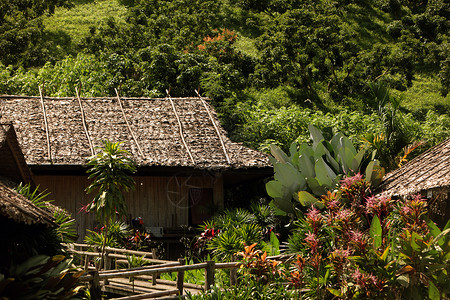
(128, 125)
(83, 120)
(215, 127)
(46, 126)
(181, 127)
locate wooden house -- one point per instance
(427, 174)
(183, 155)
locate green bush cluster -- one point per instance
(360, 245)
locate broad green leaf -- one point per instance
(369, 171)
(289, 176)
(335, 141)
(433, 292)
(315, 134)
(306, 199)
(306, 150)
(335, 292)
(320, 150)
(277, 211)
(356, 163)
(447, 225)
(333, 163)
(415, 241)
(293, 149)
(274, 189)
(275, 243)
(284, 204)
(306, 166)
(345, 158)
(376, 232)
(346, 143)
(324, 173)
(315, 186)
(272, 160)
(440, 236)
(278, 153)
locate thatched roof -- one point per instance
(429, 170)
(12, 162)
(18, 208)
(60, 131)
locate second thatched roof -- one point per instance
(18, 208)
(427, 171)
(179, 132)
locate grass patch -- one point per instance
(424, 94)
(75, 22)
(246, 46)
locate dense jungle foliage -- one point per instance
(270, 67)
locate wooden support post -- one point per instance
(94, 287)
(154, 276)
(209, 274)
(233, 273)
(86, 262)
(107, 265)
(180, 276)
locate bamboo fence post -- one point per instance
(215, 127)
(46, 126)
(181, 128)
(94, 288)
(180, 276)
(209, 274)
(233, 273)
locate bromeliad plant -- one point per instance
(361, 245)
(227, 233)
(316, 169)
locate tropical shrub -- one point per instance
(41, 277)
(361, 245)
(118, 235)
(110, 170)
(65, 224)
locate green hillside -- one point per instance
(271, 67)
(76, 21)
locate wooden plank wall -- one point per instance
(159, 201)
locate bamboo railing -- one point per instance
(159, 266)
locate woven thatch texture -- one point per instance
(153, 122)
(19, 208)
(429, 170)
